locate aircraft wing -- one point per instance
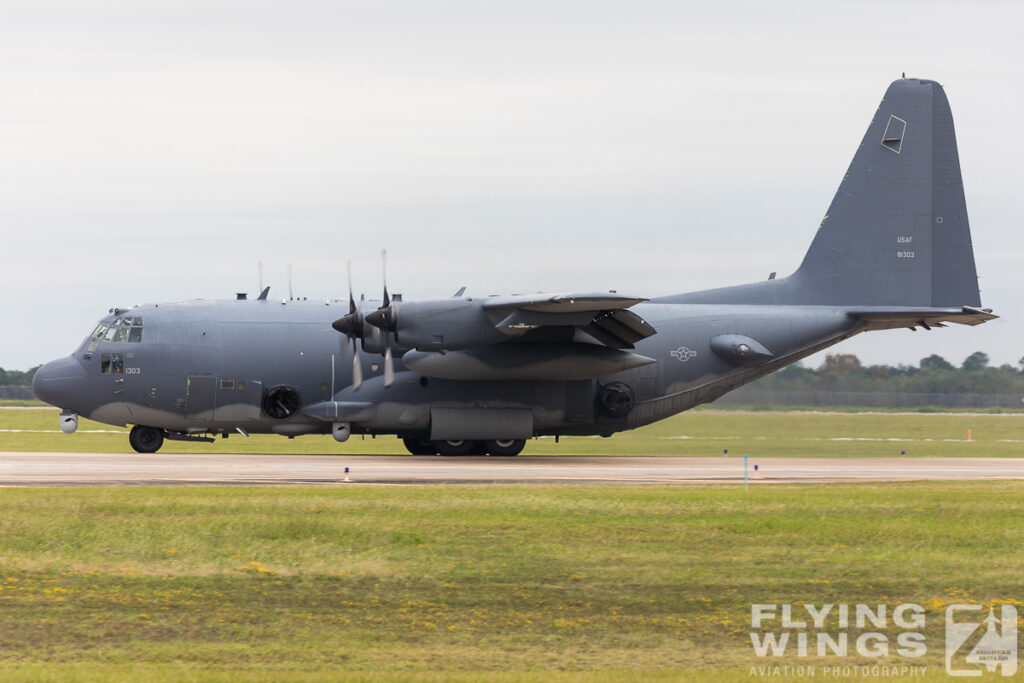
(891, 317)
(562, 303)
(604, 316)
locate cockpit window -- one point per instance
(126, 329)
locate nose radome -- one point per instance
(60, 383)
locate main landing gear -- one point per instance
(498, 447)
(146, 439)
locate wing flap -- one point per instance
(603, 316)
(624, 327)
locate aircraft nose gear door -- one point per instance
(201, 397)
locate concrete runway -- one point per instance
(70, 469)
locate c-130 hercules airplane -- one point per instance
(474, 375)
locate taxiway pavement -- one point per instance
(69, 469)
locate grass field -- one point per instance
(702, 432)
(518, 582)
(512, 582)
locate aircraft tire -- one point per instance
(146, 439)
(420, 446)
(459, 447)
(505, 448)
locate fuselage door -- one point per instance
(201, 397)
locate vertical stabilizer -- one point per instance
(896, 232)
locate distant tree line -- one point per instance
(17, 378)
(935, 374)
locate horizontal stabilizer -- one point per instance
(887, 318)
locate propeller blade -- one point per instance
(351, 299)
(389, 367)
(357, 367)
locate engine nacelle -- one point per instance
(444, 325)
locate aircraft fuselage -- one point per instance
(206, 366)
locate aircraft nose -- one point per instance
(60, 382)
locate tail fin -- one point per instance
(896, 233)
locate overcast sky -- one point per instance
(158, 151)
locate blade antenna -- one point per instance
(384, 271)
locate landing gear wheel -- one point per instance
(420, 447)
(146, 439)
(456, 447)
(505, 447)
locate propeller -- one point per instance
(384, 319)
(352, 326)
(382, 324)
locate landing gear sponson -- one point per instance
(149, 440)
(499, 447)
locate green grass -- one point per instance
(469, 582)
(779, 408)
(701, 432)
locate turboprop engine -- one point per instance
(438, 325)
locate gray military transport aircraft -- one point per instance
(474, 375)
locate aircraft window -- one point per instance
(120, 330)
(227, 384)
(112, 363)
